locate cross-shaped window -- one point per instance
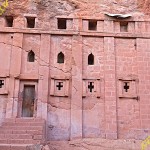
(1, 83)
(91, 86)
(126, 86)
(59, 85)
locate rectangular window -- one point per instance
(62, 23)
(123, 26)
(92, 25)
(9, 21)
(30, 22)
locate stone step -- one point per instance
(22, 124)
(24, 141)
(3, 141)
(16, 136)
(32, 132)
(14, 146)
(5, 131)
(20, 136)
(19, 141)
(29, 120)
(40, 128)
(22, 131)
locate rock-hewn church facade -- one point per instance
(85, 76)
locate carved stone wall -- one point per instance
(90, 71)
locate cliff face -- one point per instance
(145, 5)
(50, 8)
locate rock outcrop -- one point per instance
(46, 9)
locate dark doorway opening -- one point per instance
(28, 101)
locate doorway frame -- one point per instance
(22, 85)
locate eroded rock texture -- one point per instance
(50, 8)
(96, 144)
(47, 9)
(145, 5)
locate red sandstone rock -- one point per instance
(85, 73)
(96, 144)
(46, 147)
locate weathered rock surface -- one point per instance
(37, 147)
(46, 9)
(34, 147)
(96, 144)
(46, 147)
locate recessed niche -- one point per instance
(60, 58)
(30, 22)
(128, 88)
(31, 56)
(123, 26)
(91, 59)
(92, 25)
(62, 23)
(9, 21)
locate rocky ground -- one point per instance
(96, 144)
(90, 144)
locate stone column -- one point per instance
(108, 26)
(110, 89)
(15, 67)
(76, 95)
(43, 88)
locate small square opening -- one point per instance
(30, 22)
(62, 23)
(9, 21)
(92, 25)
(123, 26)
